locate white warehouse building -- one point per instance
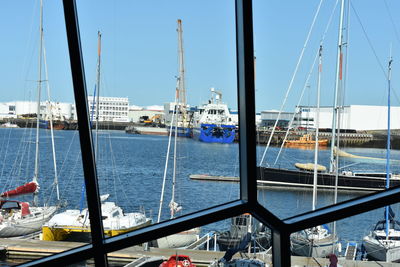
(16, 109)
(354, 117)
(110, 108)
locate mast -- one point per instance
(36, 171)
(314, 201)
(53, 146)
(98, 91)
(338, 83)
(167, 159)
(181, 77)
(388, 147)
(173, 205)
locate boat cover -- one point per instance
(28, 188)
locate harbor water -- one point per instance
(131, 169)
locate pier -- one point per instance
(25, 250)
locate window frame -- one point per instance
(281, 229)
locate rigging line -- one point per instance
(167, 156)
(369, 41)
(292, 80)
(298, 103)
(51, 123)
(308, 77)
(115, 176)
(392, 21)
(346, 57)
(5, 155)
(67, 153)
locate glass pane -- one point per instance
(162, 100)
(240, 238)
(306, 87)
(367, 241)
(41, 169)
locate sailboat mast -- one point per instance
(172, 205)
(36, 172)
(98, 91)
(388, 147)
(181, 79)
(339, 65)
(167, 157)
(314, 201)
(50, 110)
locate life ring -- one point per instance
(186, 263)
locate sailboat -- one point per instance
(19, 218)
(115, 221)
(185, 238)
(383, 242)
(242, 228)
(317, 241)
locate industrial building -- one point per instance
(138, 114)
(110, 108)
(352, 117)
(19, 109)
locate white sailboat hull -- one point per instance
(317, 246)
(32, 223)
(179, 240)
(115, 222)
(380, 251)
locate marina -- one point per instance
(21, 250)
(137, 150)
(194, 155)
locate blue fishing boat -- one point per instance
(212, 123)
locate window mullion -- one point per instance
(89, 167)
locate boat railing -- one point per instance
(205, 240)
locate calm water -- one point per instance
(131, 169)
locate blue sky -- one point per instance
(139, 49)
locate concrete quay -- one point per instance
(26, 250)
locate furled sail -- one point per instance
(28, 188)
(361, 159)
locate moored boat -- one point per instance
(212, 122)
(19, 218)
(383, 242)
(242, 228)
(9, 125)
(306, 140)
(115, 222)
(314, 242)
(347, 180)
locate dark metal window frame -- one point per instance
(281, 229)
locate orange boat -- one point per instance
(306, 140)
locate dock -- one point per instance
(34, 249)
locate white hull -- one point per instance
(381, 252)
(314, 247)
(115, 222)
(28, 224)
(179, 240)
